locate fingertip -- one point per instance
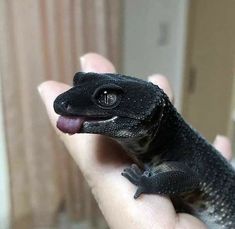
(48, 91)
(93, 62)
(163, 83)
(42, 88)
(223, 145)
(51, 88)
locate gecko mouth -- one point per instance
(73, 124)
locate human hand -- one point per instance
(101, 160)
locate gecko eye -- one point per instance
(107, 97)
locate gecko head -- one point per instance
(109, 104)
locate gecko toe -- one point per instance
(136, 169)
(133, 179)
(138, 192)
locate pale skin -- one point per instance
(101, 161)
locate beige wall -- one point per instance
(210, 66)
(231, 123)
(154, 40)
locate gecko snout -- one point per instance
(62, 107)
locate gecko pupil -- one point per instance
(107, 98)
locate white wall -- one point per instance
(4, 176)
(154, 39)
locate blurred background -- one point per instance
(191, 42)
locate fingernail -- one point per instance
(155, 77)
(151, 78)
(82, 62)
(40, 90)
(86, 66)
(219, 138)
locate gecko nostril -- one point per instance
(66, 106)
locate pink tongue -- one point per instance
(70, 125)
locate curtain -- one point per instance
(43, 40)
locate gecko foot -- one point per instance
(132, 173)
(136, 177)
(169, 178)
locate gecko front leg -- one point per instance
(168, 178)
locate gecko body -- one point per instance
(172, 158)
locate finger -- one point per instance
(163, 83)
(92, 62)
(223, 145)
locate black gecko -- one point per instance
(172, 158)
